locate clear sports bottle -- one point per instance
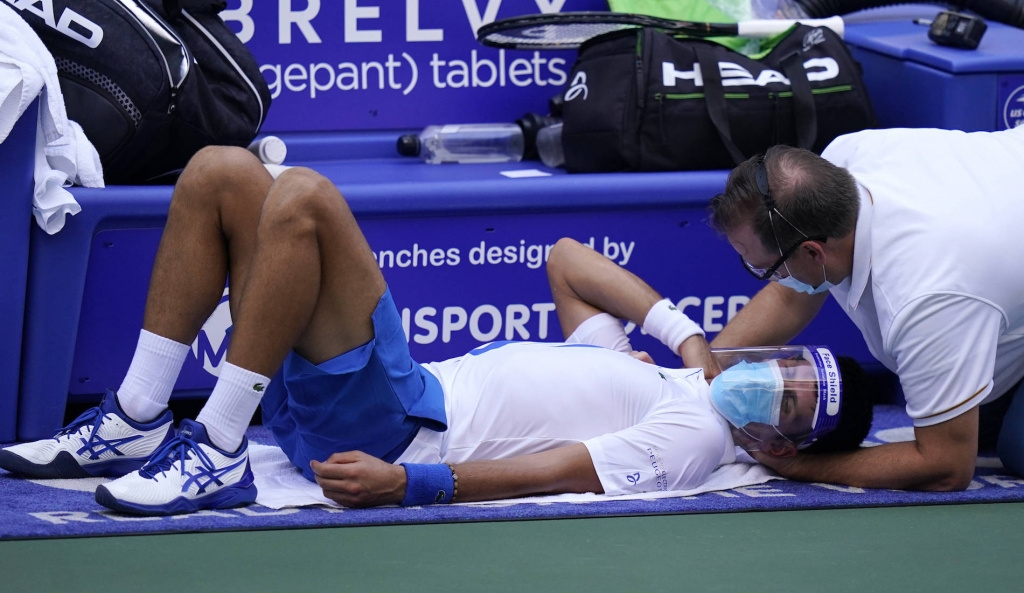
(465, 143)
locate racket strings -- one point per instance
(552, 35)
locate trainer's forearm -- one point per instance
(775, 315)
(900, 466)
(562, 470)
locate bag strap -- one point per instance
(805, 116)
(714, 98)
(173, 8)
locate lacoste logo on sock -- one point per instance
(258, 388)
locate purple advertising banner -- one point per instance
(458, 281)
(388, 64)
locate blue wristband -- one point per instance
(427, 483)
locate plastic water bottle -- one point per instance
(271, 150)
(549, 145)
(465, 143)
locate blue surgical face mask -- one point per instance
(749, 392)
(791, 282)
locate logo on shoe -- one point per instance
(186, 431)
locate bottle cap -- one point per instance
(409, 145)
(271, 150)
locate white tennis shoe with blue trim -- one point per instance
(102, 441)
(187, 474)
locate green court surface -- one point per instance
(928, 548)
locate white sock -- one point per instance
(229, 410)
(147, 386)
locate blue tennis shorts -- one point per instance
(372, 399)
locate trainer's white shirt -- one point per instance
(647, 428)
(937, 287)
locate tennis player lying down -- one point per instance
(350, 407)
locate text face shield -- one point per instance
(778, 396)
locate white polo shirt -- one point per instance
(646, 428)
(937, 287)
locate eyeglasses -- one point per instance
(762, 274)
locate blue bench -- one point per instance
(16, 183)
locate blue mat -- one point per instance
(46, 509)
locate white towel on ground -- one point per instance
(64, 156)
(280, 484)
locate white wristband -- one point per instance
(670, 325)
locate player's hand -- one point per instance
(642, 356)
(355, 479)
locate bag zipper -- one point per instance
(684, 96)
(640, 71)
(175, 54)
(824, 91)
(771, 94)
(640, 94)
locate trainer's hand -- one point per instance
(355, 479)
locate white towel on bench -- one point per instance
(64, 156)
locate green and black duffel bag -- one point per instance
(642, 100)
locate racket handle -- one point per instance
(769, 27)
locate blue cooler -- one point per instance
(914, 82)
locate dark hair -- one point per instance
(855, 412)
(817, 197)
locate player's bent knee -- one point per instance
(303, 200)
(213, 163)
(303, 181)
(216, 171)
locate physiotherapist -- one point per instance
(919, 236)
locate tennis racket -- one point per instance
(567, 30)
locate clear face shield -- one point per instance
(778, 396)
